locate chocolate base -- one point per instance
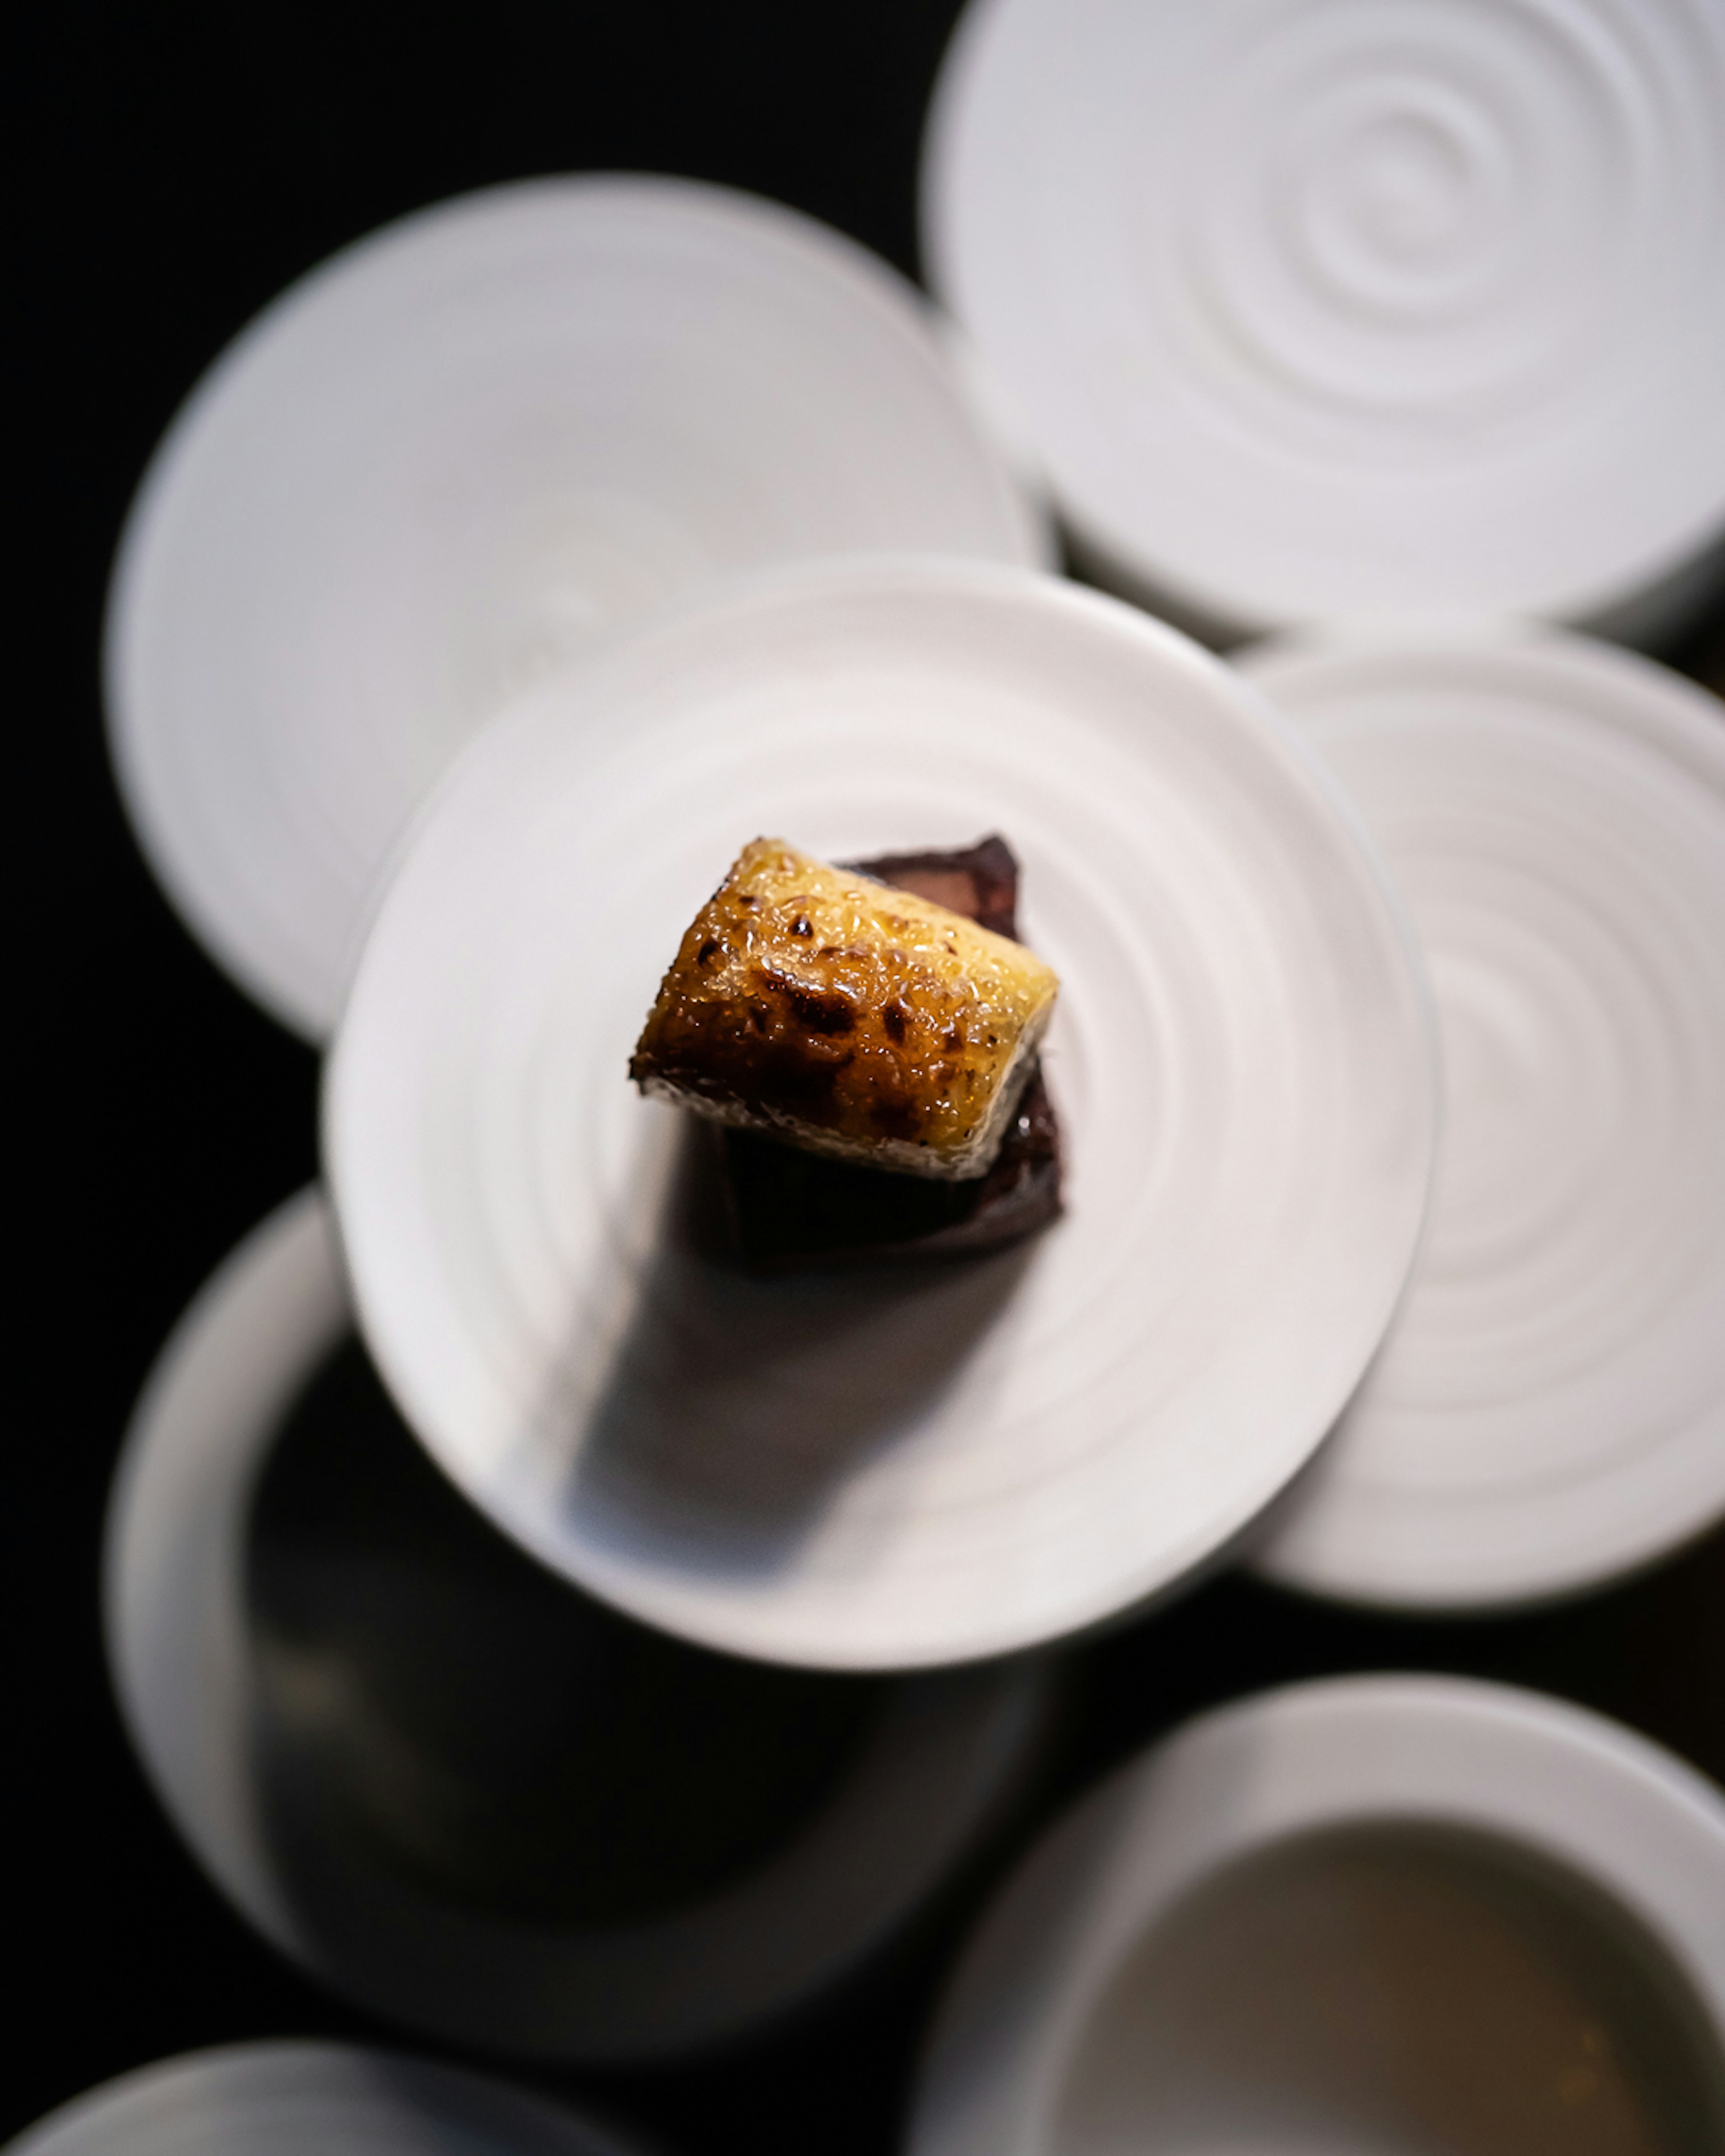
(979, 881)
(791, 1210)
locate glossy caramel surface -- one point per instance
(844, 1015)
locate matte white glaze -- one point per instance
(1373, 306)
(460, 454)
(1394, 1913)
(1549, 1408)
(289, 2099)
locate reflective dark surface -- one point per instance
(491, 1732)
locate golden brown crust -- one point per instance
(846, 1016)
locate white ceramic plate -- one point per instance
(943, 1757)
(1404, 306)
(858, 1472)
(1549, 1408)
(307, 2100)
(1376, 1912)
(457, 455)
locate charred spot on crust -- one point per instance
(826, 1011)
(897, 1114)
(789, 1076)
(850, 1041)
(791, 1210)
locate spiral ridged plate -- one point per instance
(924, 1467)
(1549, 1408)
(1360, 306)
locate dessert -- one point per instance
(789, 1210)
(781, 1208)
(849, 1018)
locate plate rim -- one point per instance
(1665, 587)
(872, 577)
(963, 1743)
(1673, 706)
(1365, 1749)
(826, 251)
(101, 2117)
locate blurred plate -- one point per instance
(1549, 1408)
(307, 2100)
(434, 1775)
(885, 1471)
(459, 455)
(1374, 1912)
(1380, 306)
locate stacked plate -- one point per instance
(565, 1641)
(463, 453)
(1548, 1408)
(887, 1471)
(1382, 307)
(1376, 1912)
(478, 1803)
(303, 2100)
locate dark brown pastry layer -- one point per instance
(793, 1210)
(981, 882)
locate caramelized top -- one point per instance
(810, 996)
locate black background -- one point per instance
(175, 168)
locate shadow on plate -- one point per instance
(489, 1731)
(738, 1407)
(498, 1811)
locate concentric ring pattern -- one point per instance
(1550, 1406)
(868, 1472)
(457, 456)
(1319, 307)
